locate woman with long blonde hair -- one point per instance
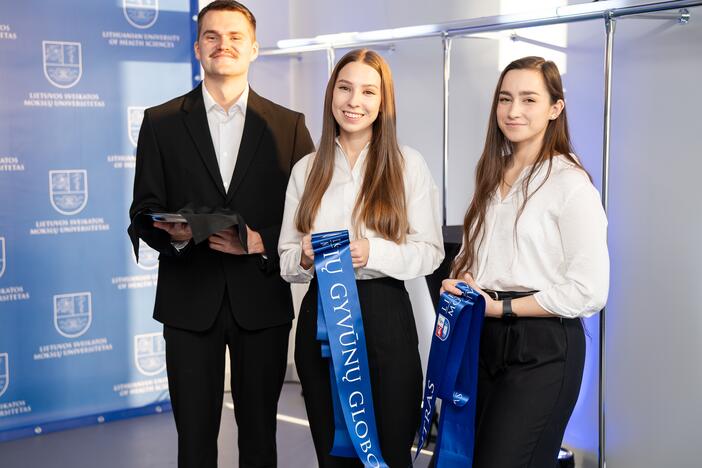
(535, 246)
(361, 180)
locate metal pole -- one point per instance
(446, 41)
(331, 61)
(560, 15)
(681, 16)
(610, 24)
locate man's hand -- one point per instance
(254, 242)
(227, 241)
(179, 232)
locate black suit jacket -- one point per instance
(177, 166)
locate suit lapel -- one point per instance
(196, 122)
(254, 125)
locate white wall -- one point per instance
(655, 317)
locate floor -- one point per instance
(150, 442)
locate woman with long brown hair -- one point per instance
(361, 180)
(535, 246)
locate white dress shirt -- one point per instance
(226, 129)
(419, 255)
(560, 247)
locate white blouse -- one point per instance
(560, 247)
(423, 249)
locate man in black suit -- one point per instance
(221, 147)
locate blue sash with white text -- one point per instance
(452, 375)
(340, 331)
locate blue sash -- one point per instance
(340, 331)
(452, 375)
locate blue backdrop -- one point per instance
(77, 342)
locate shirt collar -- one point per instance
(363, 151)
(535, 182)
(239, 105)
(340, 154)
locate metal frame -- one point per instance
(560, 15)
(610, 24)
(608, 11)
(446, 43)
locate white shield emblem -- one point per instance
(148, 257)
(2, 256)
(134, 117)
(141, 14)
(68, 190)
(4, 372)
(443, 327)
(150, 353)
(73, 313)
(63, 63)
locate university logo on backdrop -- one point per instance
(141, 14)
(150, 353)
(134, 117)
(63, 63)
(68, 190)
(148, 257)
(73, 313)
(2, 256)
(4, 372)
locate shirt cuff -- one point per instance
(179, 245)
(300, 271)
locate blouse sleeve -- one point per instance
(289, 248)
(423, 250)
(583, 229)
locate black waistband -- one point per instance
(500, 295)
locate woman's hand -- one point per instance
(307, 254)
(449, 285)
(493, 308)
(359, 252)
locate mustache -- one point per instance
(232, 53)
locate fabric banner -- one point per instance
(452, 375)
(342, 340)
(77, 341)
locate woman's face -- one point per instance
(524, 107)
(356, 99)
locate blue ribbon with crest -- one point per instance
(343, 341)
(452, 375)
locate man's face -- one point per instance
(226, 46)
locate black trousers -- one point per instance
(195, 363)
(395, 371)
(529, 380)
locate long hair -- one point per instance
(380, 204)
(497, 157)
